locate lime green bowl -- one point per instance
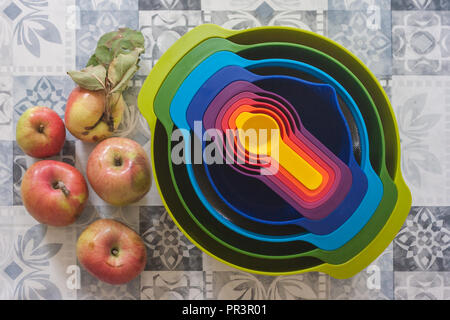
(308, 39)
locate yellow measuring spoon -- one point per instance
(269, 142)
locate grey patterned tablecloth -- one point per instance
(405, 42)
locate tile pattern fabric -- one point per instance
(168, 248)
(420, 42)
(366, 33)
(40, 36)
(404, 42)
(423, 244)
(235, 285)
(422, 285)
(421, 104)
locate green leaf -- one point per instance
(117, 53)
(103, 55)
(112, 44)
(121, 64)
(92, 61)
(106, 38)
(91, 78)
(135, 37)
(126, 46)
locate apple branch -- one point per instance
(110, 69)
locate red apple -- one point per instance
(118, 170)
(111, 251)
(85, 114)
(40, 132)
(54, 192)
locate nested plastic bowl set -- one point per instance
(323, 191)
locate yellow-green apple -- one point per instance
(118, 170)
(54, 192)
(111, 251)
(40, 132)
(89, 117)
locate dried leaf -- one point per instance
(92, 61)
(118, 71)
(91, 78)
(103, 55)
(123, 84)
(112, 44)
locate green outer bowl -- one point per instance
(285, 34)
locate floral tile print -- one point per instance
(93, 289)
(127, 215)
(169, 5)
(423, 244)
(35, 258)
(47, 91)
(420, 42)
(358, 4)
(367, 34)
(214, 5)
(42, 38)
(236, 285)
(264, 15)
(168, 248)
(22, 162)
(93, 24)
(6, 173)
(6, 108)
(421, 105)
(374, 282)
(108, 5)
(420, 5)
(161, 29)
(20, 166)
(173, 285)
(366, 285)
(422, 285)
(6, 38)
(6, 252)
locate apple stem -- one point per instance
(41, 128)
(117, 161)
(60, 185)
(115, 252)
(108, 118)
